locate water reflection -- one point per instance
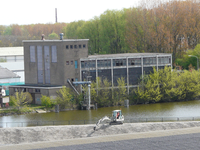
(172, 109)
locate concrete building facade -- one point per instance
(49, 62)
(131, 66)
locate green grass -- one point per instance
(24, 109)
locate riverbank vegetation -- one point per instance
(165, 85)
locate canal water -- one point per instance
(185, 109)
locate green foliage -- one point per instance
(106, 33)
(187, 60)
(64, 98)
(103, 93)
(7, 31)
(121, 92)
(47, 102)
(165, 85)
(53, 35)
(20, 99)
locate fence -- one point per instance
(82, 122)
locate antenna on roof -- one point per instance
(56, 14)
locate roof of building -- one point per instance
(5, 73)
(126, 55)
(11, 51)
(64, 40)
(37, 86)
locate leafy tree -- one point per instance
(53, 35)
(64, 98)
(120, 92)
(188, 85)
(20, 99)
(8, 31)
(104, 93)
(47, 102)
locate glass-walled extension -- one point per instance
(131, 67)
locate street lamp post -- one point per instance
(197, 61)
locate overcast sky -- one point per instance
(43, 11)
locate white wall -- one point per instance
(16, 67)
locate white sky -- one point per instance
(43, 11)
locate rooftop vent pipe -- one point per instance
(61, 36)
(43, 37)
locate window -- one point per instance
(37, 90)
(32, 53)
(67, 46)
(71, 46)
(76, 79)
(72, 62)
(67, 62)
(92, 64)
(76, 64)
(84, 46)
(100, 63)
(146, 61)
(80, 46)
(72, 79)
(119, 62)
(53, 54)
(47, 64)
(75, 46)
(82, 64)
(161, 60)
(40, 68)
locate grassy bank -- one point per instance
(22, 110)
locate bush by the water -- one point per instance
(166, 85)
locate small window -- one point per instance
(75, 46)
(67, 46)
(76, 79)
(72, 62)
(82, 64)
(76, 64)
(32, 53)
(53, 54)
(71, 46)
(72, 79)
(84, 46)
(79, 46)
(67, 62)
(37, 90)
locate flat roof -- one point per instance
(11, 51)
(125, 55)
(37, 86)
(64, 40)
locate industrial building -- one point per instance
(51, 64)
(11, 67)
